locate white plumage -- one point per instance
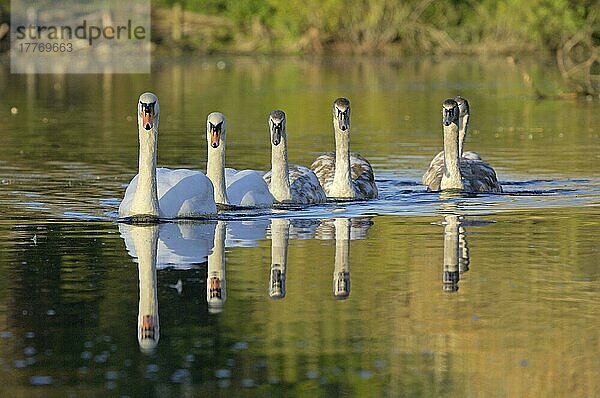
(244, 188)
(163, 193)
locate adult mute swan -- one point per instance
(450, 171)
(231, 187)
(162, 193)
(289, 183)
(342, 174)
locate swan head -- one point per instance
(215, 129)
(148, 111)
(277, 126)
(215, 295)
(148, 333)
(341, 114)
(450, 112)
(463, 105)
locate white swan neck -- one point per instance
(280, 172)
(342, 179)
(451, 179)
(215, 170)
(145, 201)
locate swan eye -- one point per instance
(147, 108)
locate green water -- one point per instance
(515, 314)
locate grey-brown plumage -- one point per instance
(304, 185)
(361, 173)
(353, 177)
(289, 183)
(466, 174)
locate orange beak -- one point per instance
(147, 119)
(215, 135)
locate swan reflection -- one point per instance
(456, 252)
(144, 239)
(215, 281)
(280, 235)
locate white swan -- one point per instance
(162, 193)
(231, 187)
(342, 174)
(450, 171)
(289, 183)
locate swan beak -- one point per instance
(215, 291)
(448, 116)
(215, 135)
(276, 136)
(148, 331)
(147, 114)
(343, 121)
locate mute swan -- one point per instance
(452, 172)
(162, 193)
(463, 125)
(289, 183)
(342, 174)
(239, 188)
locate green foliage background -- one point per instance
(415, 25)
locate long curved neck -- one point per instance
(451, 179)
(215, 285)
(342, 181)
(145, 240)
(280, 172)
(462, 133)
(145, 201)
(215, 170)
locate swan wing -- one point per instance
(305, 185)
(478, 176)
(247, 188)
(433, 176)
(184, 193)
(363, 177)
(324, 168)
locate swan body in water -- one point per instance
(450, 171)
(344, 174)
(161, 193)
(244, 188)
(289, 183)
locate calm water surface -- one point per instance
(353, 299)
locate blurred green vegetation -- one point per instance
(384, 26)
(360, 26)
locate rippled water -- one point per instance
(351, 298)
